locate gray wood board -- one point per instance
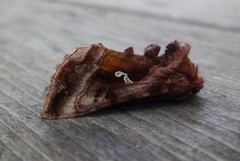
(35, 36)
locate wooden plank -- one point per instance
(18, 127)
(172, 143)
(34, 37)
(104, 24)
(104, 152)
(184, 12)
(14, 142)
(182, 28)
(55, 139)
(6, 154)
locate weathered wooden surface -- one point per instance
(34, 37)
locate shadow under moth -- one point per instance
(95, 77)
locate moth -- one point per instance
(95, 77)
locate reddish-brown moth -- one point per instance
(95, 77)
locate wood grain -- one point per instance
(35, 36)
